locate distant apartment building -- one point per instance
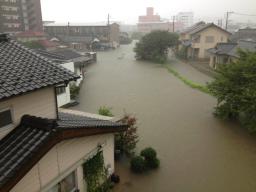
(82, 36)
(151, 22)
(149, 17)
(186, 18)
(20, 15)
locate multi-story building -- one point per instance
(20, 15)
(186, 18)
(151, 22)
(81, 36)
(150, 16)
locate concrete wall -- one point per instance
(64, 158)
(219, 36)
(38, 103)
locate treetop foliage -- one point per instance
(154, 46)
(235, 90)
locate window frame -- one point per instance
(58, 184)
(12, 119)
(61, 90)
(209, 39)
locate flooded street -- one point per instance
(198, 153)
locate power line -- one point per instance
(244, 14)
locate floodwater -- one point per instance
(198, 152)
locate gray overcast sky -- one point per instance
(128, 11)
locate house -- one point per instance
(225, 53)
(79, 60)
(72, 61)
(246, 34)
(43, 148)
(80, 36)
(197, 39)
(63, 92)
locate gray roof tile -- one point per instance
(22, 70)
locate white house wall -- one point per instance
(38, 103)
(64, 98)
(62, 160)
(69, 66)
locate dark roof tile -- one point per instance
(33, 134)
(22, 70)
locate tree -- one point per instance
(154, 46)
(126, 141)
(235, 89)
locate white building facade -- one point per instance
(186, 18)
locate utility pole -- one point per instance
(173, 25)
(108, 20)
(227, 16)
(108, 35)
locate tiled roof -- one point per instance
(23, 147)
(68, 121)
(67, 53)
(201, 26)
(222, 48)
(193, 27)
(18, 147)
(22, 70)
(231, 49)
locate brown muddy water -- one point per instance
(198, 153)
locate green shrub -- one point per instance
(74, 91)
(152, 163)
(148, 153)
(150, 156)
(105, 111)
(138, 164)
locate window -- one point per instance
(68, 184)
(197, 40)
(5, 118)
(209, 39)
(60, 90)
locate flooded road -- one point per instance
(198, 153)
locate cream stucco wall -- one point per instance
(38, 103)
(64, 158)
(219, 37)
